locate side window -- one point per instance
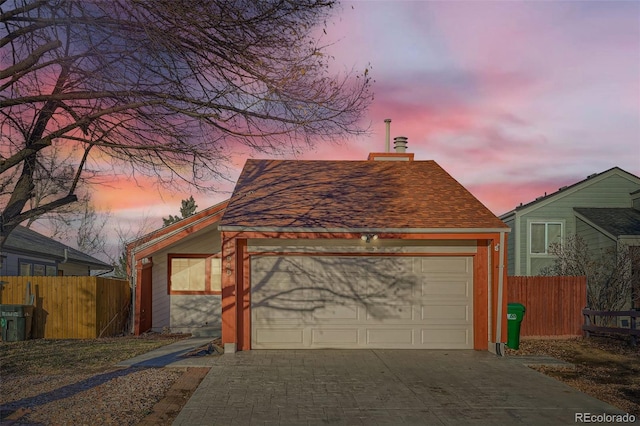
(194, 274)
(25, 269)
(542, 235)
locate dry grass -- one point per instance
(53, 382)
(52, 357)
(606, 368)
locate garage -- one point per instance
(351, 302)
(383, 253)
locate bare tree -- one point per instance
(610, 273)
(163, 88)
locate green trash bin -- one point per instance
(515, 315)
(15, 321)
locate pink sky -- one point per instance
(513, 99)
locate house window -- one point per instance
(543, 234)
(31, 268)
(25, 269)
(194, 274)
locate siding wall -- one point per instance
(511, 242)
(605, 191)
(597, 241)
(181, 312)
(553, 305)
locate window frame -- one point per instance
(546, 224)
(207, 271)
(32, 263)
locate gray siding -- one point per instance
(596, 240)
(73, 269)
(610, 190)
(511, 244)
(180, 312)
(190, 312)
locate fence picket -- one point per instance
(553, 304)
(72, 307)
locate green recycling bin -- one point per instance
(515, 315)
(15, 321)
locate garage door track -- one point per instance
(371, 387)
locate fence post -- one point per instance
(587, 322)
(634, 339)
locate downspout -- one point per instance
(66, 256)
(499, 344)
(134, 288)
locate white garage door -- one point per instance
(300, 302)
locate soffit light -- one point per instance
(367, 238)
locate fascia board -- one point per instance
(234, 228)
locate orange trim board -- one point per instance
(356, 254)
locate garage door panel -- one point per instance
(453, 314)
(382, 314)
(442, 338)
(294, 265)
(452, 289)
(336, 313)
(278, 336)
(335, 337)
(270, 314)
(389, 336)
(445, 265)
(361, 302)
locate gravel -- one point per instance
(113, 397)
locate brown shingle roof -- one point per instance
(353, 195)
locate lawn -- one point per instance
(606, 368)
(51, 357)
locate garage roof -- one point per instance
(336, 196)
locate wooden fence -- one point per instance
(71, 307)
(553, 305)
(590, 323)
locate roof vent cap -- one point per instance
(400, 144)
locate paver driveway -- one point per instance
(369, 387)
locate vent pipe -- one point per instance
(400, 144)
(388, 136)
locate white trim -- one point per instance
(546, 223)
(530, 255)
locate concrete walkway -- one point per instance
(375, 387)
(173, 355)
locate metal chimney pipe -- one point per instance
(388, 137)
(400, 144)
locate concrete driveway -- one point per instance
(371, 387)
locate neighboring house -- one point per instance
(604, 209)
(27, 252)
(176, 274)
